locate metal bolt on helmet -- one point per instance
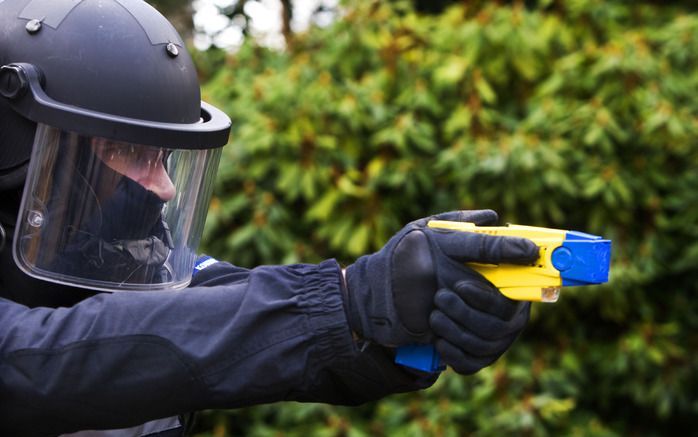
(101, 109)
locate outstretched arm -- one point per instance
(237, 337)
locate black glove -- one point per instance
(475, 324)
(393, 300)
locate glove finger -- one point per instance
(481, 217)
(489, 300)
(460, 361)
(447, 329)
(483, 248)
(482, 324)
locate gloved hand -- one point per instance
(417, 289)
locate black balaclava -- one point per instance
(125, 239)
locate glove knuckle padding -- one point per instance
(413, 275)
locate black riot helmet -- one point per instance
(101, 122)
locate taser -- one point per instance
(567, 258)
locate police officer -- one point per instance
(107, 159)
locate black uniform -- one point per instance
(236, 337)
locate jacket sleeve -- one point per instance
(236, 337)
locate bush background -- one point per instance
(577, 115)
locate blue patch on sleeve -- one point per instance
(202, 263)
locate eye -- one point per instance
(128, 156)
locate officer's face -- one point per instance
(143, 164)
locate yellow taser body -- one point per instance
(539, 282)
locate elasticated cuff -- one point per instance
(323, 299)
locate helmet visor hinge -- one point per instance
(13, 81)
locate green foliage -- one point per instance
(577, 115)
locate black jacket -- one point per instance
(235, 337)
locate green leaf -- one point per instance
(451, 72)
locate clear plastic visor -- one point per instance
(110, 215)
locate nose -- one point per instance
(158, 181)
